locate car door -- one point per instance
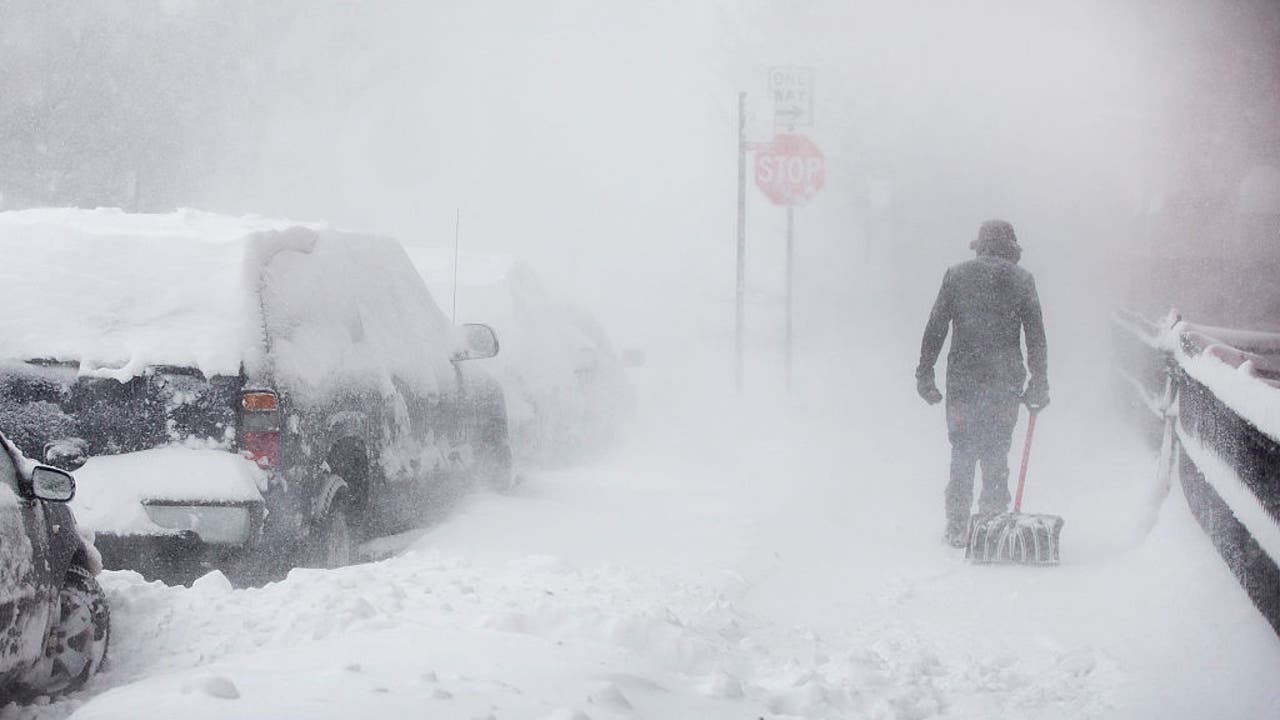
(24, 591)
(434, 435)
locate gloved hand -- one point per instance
(928, 389)
(1036, 396)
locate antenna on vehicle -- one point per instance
(457, 232)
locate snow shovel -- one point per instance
(1015, 537)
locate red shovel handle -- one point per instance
(1026, 456)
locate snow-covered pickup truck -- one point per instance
(242, 393)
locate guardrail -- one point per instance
(1212, 398)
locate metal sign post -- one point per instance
(790, 171)
(457, 234)
(791, 235)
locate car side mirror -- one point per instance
(479, 342)
(50, 483)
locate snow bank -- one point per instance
(536, 638)
(110, 489)
(118, 292)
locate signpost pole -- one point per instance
(789, 171)
(457, 234)
(791, 235)
(742, 237)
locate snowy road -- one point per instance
(786, 563)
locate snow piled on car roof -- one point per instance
(117, 292)
(317, 308)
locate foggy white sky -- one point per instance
(597, 140)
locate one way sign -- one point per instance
(792, 90)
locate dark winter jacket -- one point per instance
(990, 301)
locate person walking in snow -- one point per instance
(990, 302)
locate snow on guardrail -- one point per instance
(1222, 401)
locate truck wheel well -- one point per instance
(82, 560)
(349, 461)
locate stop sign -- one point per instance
(790, 170)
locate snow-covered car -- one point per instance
(54, 620)
(567, 390)
(243, 393)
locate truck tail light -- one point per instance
(262, 447)
(260, 427)
(258, 401)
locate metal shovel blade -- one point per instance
(1014, 538)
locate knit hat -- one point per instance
(996, 237)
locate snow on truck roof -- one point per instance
(119, 292)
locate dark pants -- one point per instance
(980, 427)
